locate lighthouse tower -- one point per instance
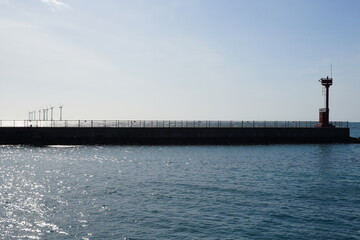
(324, 112)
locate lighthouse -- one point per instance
(324, 112)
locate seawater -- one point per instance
(180, 192)
(354, 129)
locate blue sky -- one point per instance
(179, 59)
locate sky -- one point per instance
(179, 59)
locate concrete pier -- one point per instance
(170, 136)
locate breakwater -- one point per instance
(170, 135)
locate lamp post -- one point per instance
(51, 109)
(47, 114)
(61, 107)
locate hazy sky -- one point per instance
(179, 59)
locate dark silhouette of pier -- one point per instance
(156, 132)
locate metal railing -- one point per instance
(165, 124)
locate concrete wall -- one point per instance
(153, 136)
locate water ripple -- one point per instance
(199, 192)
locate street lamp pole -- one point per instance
(61, 107)
(51, 109)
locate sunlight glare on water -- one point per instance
(198, 192)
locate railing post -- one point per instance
(253, 124)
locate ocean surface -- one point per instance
(181, 192)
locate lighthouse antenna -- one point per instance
(331, 70)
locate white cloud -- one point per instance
(4, 1)
(56, 3)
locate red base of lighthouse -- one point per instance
(324, 119)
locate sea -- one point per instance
(287, 191)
